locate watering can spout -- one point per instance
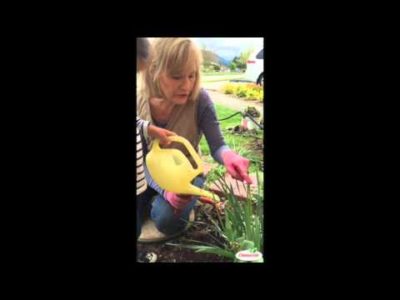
(172, 170)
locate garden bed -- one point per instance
(199, 232)
(218, 231)
(240, 226)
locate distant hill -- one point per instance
(209, 56)
(224, 61)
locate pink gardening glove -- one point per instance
(237, 166)
(178, 202)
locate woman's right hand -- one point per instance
(237, 166)
(161, 134)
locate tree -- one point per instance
(233, 66)
(242, 59)
(244, 56)
(239, 63)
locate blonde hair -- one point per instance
(170, 56)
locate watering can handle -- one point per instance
(189, 147)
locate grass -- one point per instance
(220, 76)
(222, 112)
(241, 143)
(220, 73)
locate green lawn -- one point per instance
(220, 73)
(241, 143)
(221, 78)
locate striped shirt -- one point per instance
(141, 128)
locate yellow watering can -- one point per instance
(172, 170)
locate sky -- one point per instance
(230, 47)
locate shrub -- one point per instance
(229, 88)
(249, 91)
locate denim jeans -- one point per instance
(162, 213)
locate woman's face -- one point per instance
(177, 87)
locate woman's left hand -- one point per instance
(237, 166)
